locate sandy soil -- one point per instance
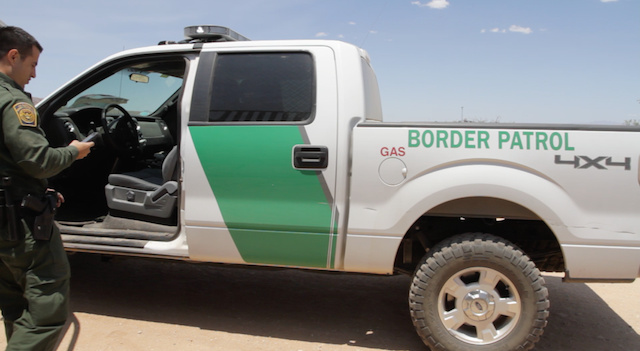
(141, 304)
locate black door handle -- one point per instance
(310, 157)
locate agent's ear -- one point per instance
(13, 55)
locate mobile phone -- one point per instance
(90, 137)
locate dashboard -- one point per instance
(76, 123)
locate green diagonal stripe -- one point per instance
(275, 214)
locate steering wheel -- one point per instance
(123, 133)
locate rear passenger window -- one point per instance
(263, 87)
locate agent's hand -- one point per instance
(60, 198)
(83, 148)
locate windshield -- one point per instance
(140, 91)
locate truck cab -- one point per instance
(213, 149)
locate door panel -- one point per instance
(275, 214)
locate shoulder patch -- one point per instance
(27, 114)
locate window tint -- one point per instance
(265, 87)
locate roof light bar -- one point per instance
(213, 33)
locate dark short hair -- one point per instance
(17, 38)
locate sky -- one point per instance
(525, 61)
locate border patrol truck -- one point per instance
(273, 153)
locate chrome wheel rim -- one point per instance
(479, 305)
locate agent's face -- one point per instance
(24, 67)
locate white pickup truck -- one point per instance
(274, 153)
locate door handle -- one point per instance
(310, 157)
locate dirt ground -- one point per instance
(142, 304)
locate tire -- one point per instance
(478, 292)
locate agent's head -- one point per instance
(19, 54)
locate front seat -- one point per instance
(150, 192)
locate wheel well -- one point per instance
(494, 216)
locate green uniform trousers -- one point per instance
(34, 290)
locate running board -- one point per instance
(70, 240)
(115, 233)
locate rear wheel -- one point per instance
(478, 292)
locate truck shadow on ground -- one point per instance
(328, 308)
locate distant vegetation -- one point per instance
(476, 120)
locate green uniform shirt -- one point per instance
(25, 154)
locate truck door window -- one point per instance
(262, 88)
(141, 91)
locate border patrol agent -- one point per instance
(34, 271)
